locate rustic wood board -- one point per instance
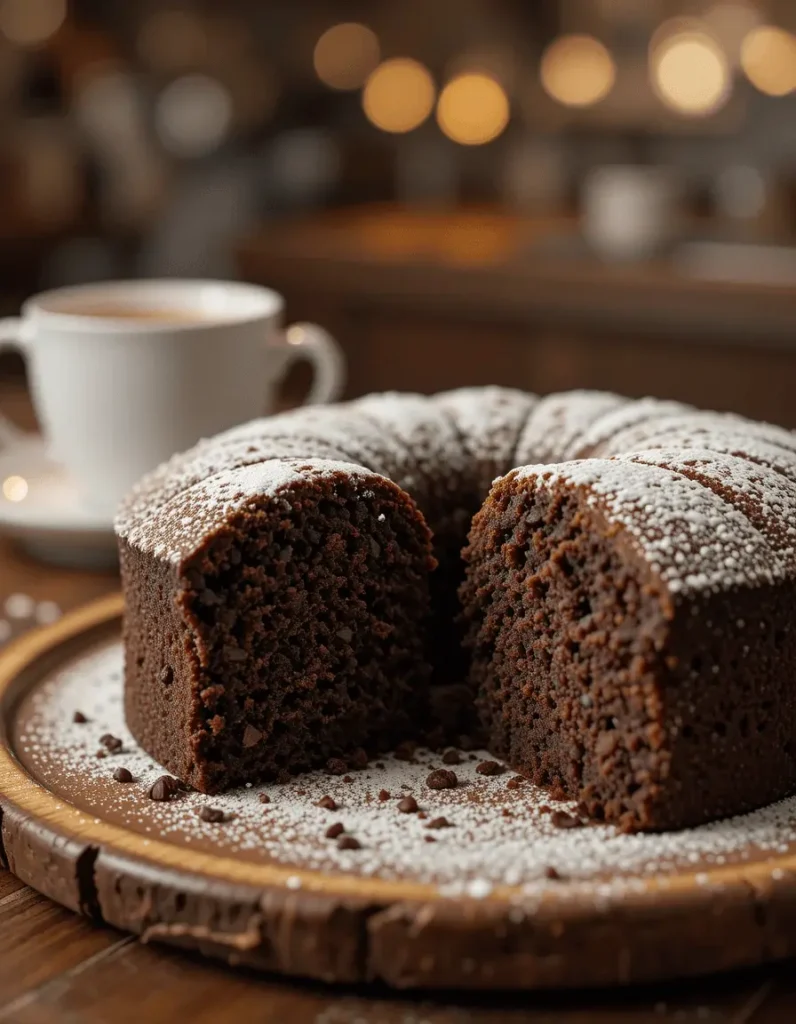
(343, 927)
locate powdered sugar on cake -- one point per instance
(498, 834)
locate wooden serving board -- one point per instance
(269, 891)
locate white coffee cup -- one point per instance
(629, 213)
(126, 373)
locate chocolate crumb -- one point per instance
(283, 776)
(212, 814)
(512, 784)
(123, 775)
(430, 839)
(490, 768)
(545, 809)
(251, 736)
(111, 743)
(333, 831)
(439, 823)
(384, 794)
(348, 778)
(442, 778)
(264, 798)
(408, 805)
(422, 815)
(79, 718)
(582, 809)
(506, 813)
(164, 788)
(336, 766)
(380, 764)
(451, 757)
(328, 802)
(561, 819)
(551, 873)
(101, 753)
(348, 843)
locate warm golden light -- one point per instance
(768, 58)
(399, 95)
(31, 22)
(15, 488)
(577, 71)
(690, 73)
(473, 109)
(345, 55)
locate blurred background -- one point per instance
(582, 193)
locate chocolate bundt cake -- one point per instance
(302, 588)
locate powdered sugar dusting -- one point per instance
(498, 835)
(692, 538)
(180, 526)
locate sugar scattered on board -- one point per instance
(483, 850)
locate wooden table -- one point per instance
(55, 966)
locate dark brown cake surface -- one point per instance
(627, 616)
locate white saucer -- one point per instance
(40, 507)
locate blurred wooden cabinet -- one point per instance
(413, 322)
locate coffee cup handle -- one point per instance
(13, 337)
(311, 342)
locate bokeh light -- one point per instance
(768, 58)
(689, 73)
(15, 488)
(345, 55)
(577, 71)
(730, 23)
(31, 22)
(193, 115)
(473, 109)
(399, 95)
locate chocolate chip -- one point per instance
(561, 819)
(430, 839)
(101, 753)
(358, 760)
(512, 784)
(408, 805)
(582, 809)
(348, 843)
(123, 775)
(111, 743)
(212, 814)
(333, 831)
(348, 778)
(422, 815)
(442, 778)
(264, 798)
(164, 789)
(384, 794)
(327, 802)
(490, 768)
(545, 809)
(251, 736)
(439, 823)
(506, 813)
(551, 873)
(336, 766)
(167, 675)
(79, 718)
(451, 757)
